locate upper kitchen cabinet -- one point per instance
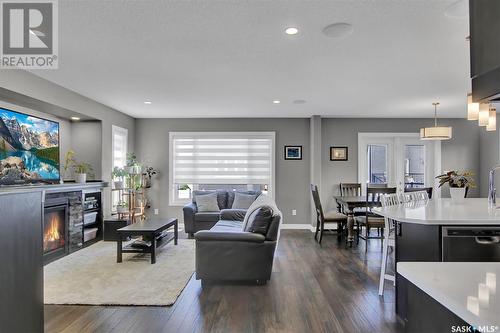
(485, 49)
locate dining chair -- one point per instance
(412, 197)
(389, 240)
(350, 190)
(372, 220)
(329, 217)
(418, 189)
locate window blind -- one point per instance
(222, 158)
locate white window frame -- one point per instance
(117, 130)
(174, 201)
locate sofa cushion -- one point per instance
(233, 214)
(259, 220)
(242, 200)
(230, 196)
(224, 225)
(206, 217)
(221, 197)
(207, 202)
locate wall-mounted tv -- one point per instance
(29, 149)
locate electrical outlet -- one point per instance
(157, 211)
(294, 212)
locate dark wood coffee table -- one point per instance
(149, 229)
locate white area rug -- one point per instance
(92, 276)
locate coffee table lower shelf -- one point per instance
(150, 232)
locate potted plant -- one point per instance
(117, 175)
(184, 191)
(148, 174)
(133, 166)
(68, 162)
(459, 183)
(82, 169)
(122, 207)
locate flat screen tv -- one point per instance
(29, 149)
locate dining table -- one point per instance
(349, 203)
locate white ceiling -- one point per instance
(232, 59)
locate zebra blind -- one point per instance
(222, 157)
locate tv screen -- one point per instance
(29, 149)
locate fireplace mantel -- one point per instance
(51, 188)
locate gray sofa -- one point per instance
(227, 252)
(195, 221)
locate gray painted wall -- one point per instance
(86, 142)
(292, 177)
(489, 152)
(30, 85)
(461, 152)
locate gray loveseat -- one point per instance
(228, 252)
(195, 221)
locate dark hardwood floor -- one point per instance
(313, 288)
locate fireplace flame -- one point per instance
(51, 233)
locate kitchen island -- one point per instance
(452, 296)
(442, 230)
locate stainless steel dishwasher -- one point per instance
(468, 244)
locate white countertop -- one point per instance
(444, 212)
(469, 290)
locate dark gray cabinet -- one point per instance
(485, 49)
(414, 242)
(21, 275)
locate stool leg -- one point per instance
(383, 269)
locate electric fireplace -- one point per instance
(55, 229)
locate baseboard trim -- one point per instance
(297, 226)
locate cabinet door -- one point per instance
(21, 276)
(484, 36)
(414, 242)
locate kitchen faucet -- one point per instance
(492, 191)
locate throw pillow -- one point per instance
(207, 202)
(260, 220)
(243, 201)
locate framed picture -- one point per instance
(338, 153)
(293, 152)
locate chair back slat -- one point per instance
(412, 197)
(373, 194)
(350, 189)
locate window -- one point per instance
(377, 164)
(220, 160)
(414, 166)
(118, 154)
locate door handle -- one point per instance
(488, 240)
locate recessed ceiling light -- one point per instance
(291, 31)
(148, 102)
(75, 118)
(300, 101)
(276, 101)
(337, 30)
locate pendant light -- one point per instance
(472, 109)
(492, 121)
(436, 132)
(484, 114)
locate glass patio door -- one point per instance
(399, 160)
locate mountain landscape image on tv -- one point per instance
(29, 148)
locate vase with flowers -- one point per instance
(459, 183)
